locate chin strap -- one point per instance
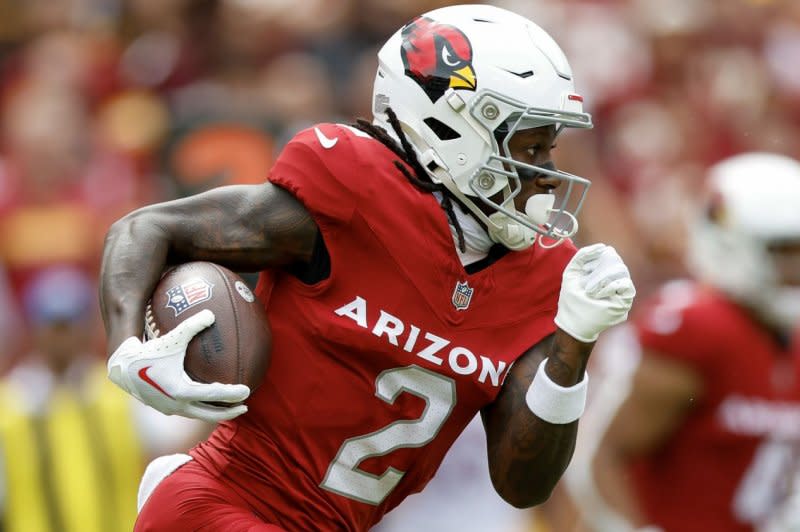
(516, 236)
(511, 233)
(506, 231)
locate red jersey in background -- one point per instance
(727, 467)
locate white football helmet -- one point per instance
(753, 202)
(462, 81)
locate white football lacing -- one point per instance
(151, 330)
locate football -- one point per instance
(236, 348)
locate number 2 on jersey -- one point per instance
(439, 393)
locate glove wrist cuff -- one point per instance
(555, 403)
(585, 336)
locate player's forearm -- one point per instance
(610, 476)
(530, 458)
(528, 455)
(134, 256)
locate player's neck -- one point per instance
(476, 237)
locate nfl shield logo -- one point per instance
(188, 294)
(462, 295)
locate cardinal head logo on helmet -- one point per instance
(437, 56)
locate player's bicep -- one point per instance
(661, 394)
(244, 227)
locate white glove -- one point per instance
(153, 372)
(596, 293)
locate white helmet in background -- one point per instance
(462, 81)
(754, 202)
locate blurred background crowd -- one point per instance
(110, 104)
(106, 105)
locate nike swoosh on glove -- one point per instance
(596, 293)
(153, 372)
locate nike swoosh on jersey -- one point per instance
(326, 142)
(146, 378)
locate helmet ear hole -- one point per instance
(441, 130)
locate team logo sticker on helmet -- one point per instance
(462, 295)
(437, 56)
(187, 294)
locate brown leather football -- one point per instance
(236, 348)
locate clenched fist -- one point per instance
(596, 293)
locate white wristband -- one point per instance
(553, 403)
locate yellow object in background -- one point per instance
(74, 465)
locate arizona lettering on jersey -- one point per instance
(375, 370)
(425, 345)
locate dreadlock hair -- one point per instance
(407, 155)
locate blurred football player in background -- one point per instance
(697, 419)
(72, 446)
(414, 277)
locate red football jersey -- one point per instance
(727, 467)
(376, 369)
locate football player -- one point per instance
(413, 277)
(701, 422)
